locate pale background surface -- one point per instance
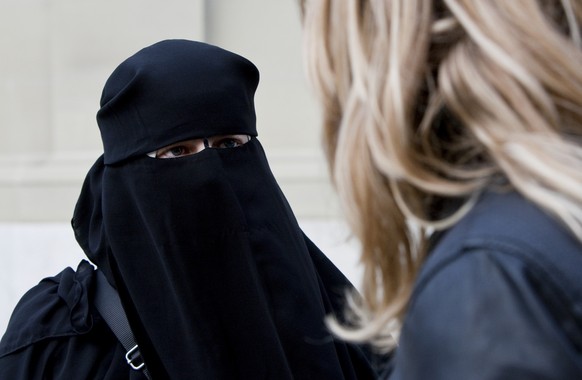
(54, 59)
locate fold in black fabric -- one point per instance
(54, 333)
(212, 268)
(69, 287)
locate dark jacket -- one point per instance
(499, 297)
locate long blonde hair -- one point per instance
(427, 101)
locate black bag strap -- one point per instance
(109, 306)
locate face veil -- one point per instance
(216, 276)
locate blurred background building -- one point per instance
(54, 59)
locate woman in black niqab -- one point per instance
(217, 279)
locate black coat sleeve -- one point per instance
(487, 315)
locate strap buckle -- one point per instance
(134, 358)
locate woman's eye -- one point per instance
(228, 143)
(173, 152)
(179, 150)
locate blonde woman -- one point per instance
(453, 131)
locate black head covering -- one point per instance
(173, 91)
(216, 277)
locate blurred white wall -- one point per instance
(54, 59)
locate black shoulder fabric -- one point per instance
(362, 361)
(54, 333)
(63, 299)
(211, 266)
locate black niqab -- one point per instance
(216, 276)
